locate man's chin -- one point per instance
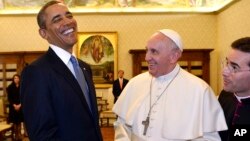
(227, 89)
(152, 73)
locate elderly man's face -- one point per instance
(236, 73)
(160, 55)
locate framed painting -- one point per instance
(99, 50)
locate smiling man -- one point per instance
(167, 103)
(57, 90)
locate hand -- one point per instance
(17, 106)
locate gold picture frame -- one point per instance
(99, 50)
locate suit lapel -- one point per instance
(59, 67)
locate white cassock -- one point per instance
(186, 110)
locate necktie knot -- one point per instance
(73, 61)
(75, 66)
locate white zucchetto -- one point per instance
(174, 36)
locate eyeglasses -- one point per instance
(232, 67)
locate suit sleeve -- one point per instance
(114, 89)
(37, 106)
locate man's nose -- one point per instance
(67, 21)
(147, 56)
(225, 71)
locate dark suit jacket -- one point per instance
(117, 89)
(54, 106)
(228, 103)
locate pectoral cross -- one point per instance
(146, 124)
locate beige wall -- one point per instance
(233, 23)
(19, 33)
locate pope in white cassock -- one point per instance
(167, 103)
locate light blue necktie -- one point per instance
(81, 79)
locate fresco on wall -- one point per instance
(177, 5)
(1, 4)
(22, 3)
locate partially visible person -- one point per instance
(167, 103)
(235, 96)
(119, 84)
(109, 77)
(15, 111)
(57, 91)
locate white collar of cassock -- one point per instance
(169, 76)
(240, 97)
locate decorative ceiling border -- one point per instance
(117, 6)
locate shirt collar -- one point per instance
(61, 53)
(169, 75)
(239, 98)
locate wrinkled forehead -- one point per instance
(158, 40)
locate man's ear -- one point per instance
(175, 56)
(42, 33)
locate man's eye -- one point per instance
(56, 20)
(154, 52)
(70, 16)
(235, 68)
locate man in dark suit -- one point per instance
(119, 84)
(235, 97)
(56, 106)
